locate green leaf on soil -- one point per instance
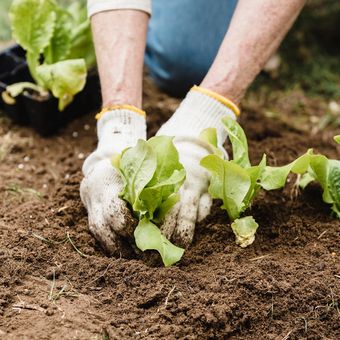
(275, 177)
(149, 237)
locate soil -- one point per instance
(284, 286)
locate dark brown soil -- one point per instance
(284, 286)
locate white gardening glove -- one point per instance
(199, 110)
(109, 216)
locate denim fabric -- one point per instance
(183, 39)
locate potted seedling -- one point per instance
(59, 53)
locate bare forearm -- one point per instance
(120, 38)
(256, 30)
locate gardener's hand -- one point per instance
(109, 217)
(199, 110)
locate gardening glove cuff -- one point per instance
(200, 109)
(117, 128)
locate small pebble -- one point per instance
(49, 312)
(320, 266)
(21, 166)
(314, 119)
(26, 159)
(67, 176)
(75, 134)
(45, 186)
(31, 216)
(81, 156)
(334, 107)
(86, 127)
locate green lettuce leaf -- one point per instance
(337, 139)
(81, 35)
(255, 174)
(327, 173)
(209, 136)
(33, 23)
(152, 176)
(319, 166)
(64, 79)
(149, 237)
(167, 158)
(152, 173)
(137, 165)
(305, 180)
(238, 141)
(229, 182)
(275, 177)
(33, 62)
(60, 45)
(152, 198)
(167, 178)
(334, 186)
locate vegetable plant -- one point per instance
(58, 46)
(152, 176)
(236, 182)
(327, 173)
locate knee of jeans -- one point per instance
(175, 74)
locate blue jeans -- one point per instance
(183, 39)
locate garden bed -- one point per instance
(284, 286)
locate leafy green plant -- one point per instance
(152, 176)
(58, 46)
(327, 173)
(236, 182)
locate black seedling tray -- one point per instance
(30, 109)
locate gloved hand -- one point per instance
(199, 110)
(109, 216)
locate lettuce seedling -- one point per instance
(152, 176)
(236, 182)
(58, 45)
(327, 173)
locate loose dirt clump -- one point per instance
(284, 286)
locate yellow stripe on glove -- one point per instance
(227, 102)
(120, 107)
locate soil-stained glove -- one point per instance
(199, 110)
(109, 216)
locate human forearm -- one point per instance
(256, 30)
(119, 38)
